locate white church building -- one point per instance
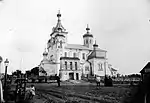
(72, 61)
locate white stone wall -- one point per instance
(64, 75)
(77, 51)
(62, 64)
(79, 55)
(86, 66)
(99, 70)
(96, 70)
(51, 69)
(82, 63)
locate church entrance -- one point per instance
(77, 76)
(71, 76)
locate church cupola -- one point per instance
(58, 36)
(88, 38)
(59, 15)
(95, 46)
(97, 52)
(45, 53)
(58, 27)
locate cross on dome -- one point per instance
(59, 15)
(87, 28)
(88, 34)
(45, 53)
(95, 45)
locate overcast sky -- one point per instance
(120, 26)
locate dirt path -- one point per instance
(65, 97)
(48, 93)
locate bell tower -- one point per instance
(59, 35)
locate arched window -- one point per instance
(86, 68)
(100, 67)
(60, 44)
(74, 54)
(83, 55)
(86, 41)
(65, 65)
(65, 54)
(76, 66)
(71, 65)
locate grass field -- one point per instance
(79, 93)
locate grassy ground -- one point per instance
(85, 92)
(76, 92)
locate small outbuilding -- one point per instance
(145, 72)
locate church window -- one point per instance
(65, 65)
(74, 54)
(83, 56)
(65, 54)
(86, 41)
(100, 67)
(76, 66)
(87, 68)
(60, 44)
(71, 65)
(90, 41)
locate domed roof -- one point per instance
(95, 45)
(87, 33)
(97, 52)
(58, 27)
(59, 15)
(45, 53)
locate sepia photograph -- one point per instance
(74, 51)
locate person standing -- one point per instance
(30, 92)
(106, 81)
(98, 80)
(33, 90)
(58, 80)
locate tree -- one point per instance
(28, 73)
(135, 75)
(17, 73)
(35, 71)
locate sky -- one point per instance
(121, 27)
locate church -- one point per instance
(73, 61)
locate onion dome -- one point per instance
(58, 27)
(95, 45)
(59, 15)
(97, 53)
(87, 33)
(45, 53)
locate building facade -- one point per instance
(72, 61)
